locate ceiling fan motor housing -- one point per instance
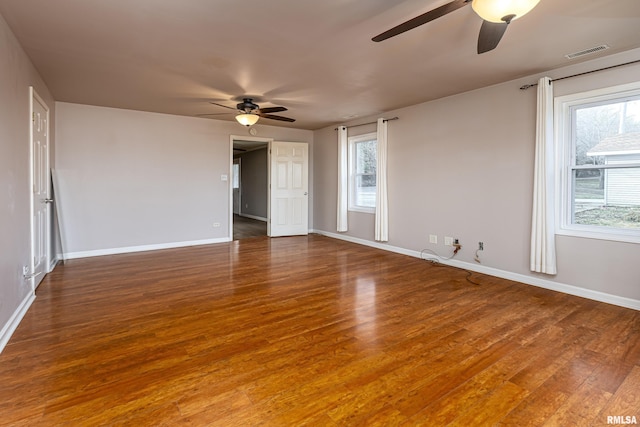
(247, 105)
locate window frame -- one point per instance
(565, 161)
(352, 142)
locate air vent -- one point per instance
(586, 51)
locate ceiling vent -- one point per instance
(587, 51)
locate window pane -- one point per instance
(366, 157)
(602, 129)
(236, 175)
(366, 190)
(607, 133)
(362, 172)
(607, 197)
(589, 185)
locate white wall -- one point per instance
(462, 166)
(133, 180)
(16, 75)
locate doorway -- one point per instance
(273, 186)
(249, 198)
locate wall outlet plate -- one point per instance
(448, 241)
(433, 238)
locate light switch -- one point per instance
(224, 177)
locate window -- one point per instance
(362, 172)
(236, 173)
(599, 162)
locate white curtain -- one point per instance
(543, 245)
(343, 179)
(382, 203)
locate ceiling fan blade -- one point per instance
(272, 110)
(220, 105)
(490, 35)
(422, 19)
(212, 114)
(274, 117)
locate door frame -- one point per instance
(34, 97)
(232, 138)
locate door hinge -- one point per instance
(33, 117)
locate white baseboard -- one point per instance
(53, 262)
(144, 248)
(10, 327)
(516, 277)
(258, 218)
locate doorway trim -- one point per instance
(30, 274)
(233, 138)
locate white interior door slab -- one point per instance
(40, 184)
(289, 189)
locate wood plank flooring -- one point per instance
(244, 228)
(311, 331)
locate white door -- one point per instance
(40, 185)
(289, 189)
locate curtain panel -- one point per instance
(343, 180)
(382, 203)
(543, 245)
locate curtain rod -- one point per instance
(370, 123)
(527, 86)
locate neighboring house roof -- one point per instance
(624, 143)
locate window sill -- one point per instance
(595, 233)
(362, 210)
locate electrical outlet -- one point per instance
(433, 238)
(25, 270)
(480, 246)
(448, 241)
(216, 224)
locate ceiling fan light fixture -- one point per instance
(247, 119)
(500, 10)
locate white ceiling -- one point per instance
(314, 57)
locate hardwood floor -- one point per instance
(311, 331)
(244, 228)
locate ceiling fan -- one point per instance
(496, 15)
(249, 112)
